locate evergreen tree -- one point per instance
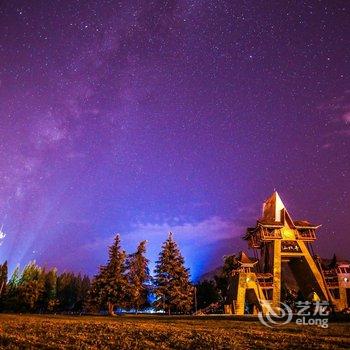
(66, 291)
(49, 298)
(222, 279)
(95, 299)
(3, 278)
(11, 298)
(110, 286)
(207, 294)
(31, 287)
(15, 278)
(3, 284)
(139, 277)
(38, 290)
(83, 287)
(72, 291)
(172, 286)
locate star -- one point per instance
(123, 117)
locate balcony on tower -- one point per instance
(276, 223)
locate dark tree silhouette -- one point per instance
(139, 277)
(110, 286)
(173, 289)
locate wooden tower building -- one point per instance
(282, 249)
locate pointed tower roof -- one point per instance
(244, 259)
(275, 214)
(272, 208)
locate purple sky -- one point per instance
(149, 116)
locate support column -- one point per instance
(276, 296)
(315, 271)
(240, 303)
(342, 302)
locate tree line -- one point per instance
(36, 289)
(124, 283)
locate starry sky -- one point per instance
(142, 117)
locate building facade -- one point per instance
(283, 251)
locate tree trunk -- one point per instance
(169, 311)
(110, 308)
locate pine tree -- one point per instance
(49, 297)
(11, 298)
(207, 294)
(66, 291)
(36, 289)
(83, 286)
(31, 287)
(72, 291)
(139, 277)
(3, 278)
(110, 286)
(14, 280)
(95, 298)
(223, 277)
(173, 289)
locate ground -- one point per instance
(162, 332)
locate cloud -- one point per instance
(202, 243)
(209, 230)
(198, 233)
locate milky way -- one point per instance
(149, 116)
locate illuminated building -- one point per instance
(283, 247)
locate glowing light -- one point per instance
(2, 235)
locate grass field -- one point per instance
(161, 332)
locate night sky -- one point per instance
(142, 117)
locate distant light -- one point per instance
(345, 279)
(2, 235)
